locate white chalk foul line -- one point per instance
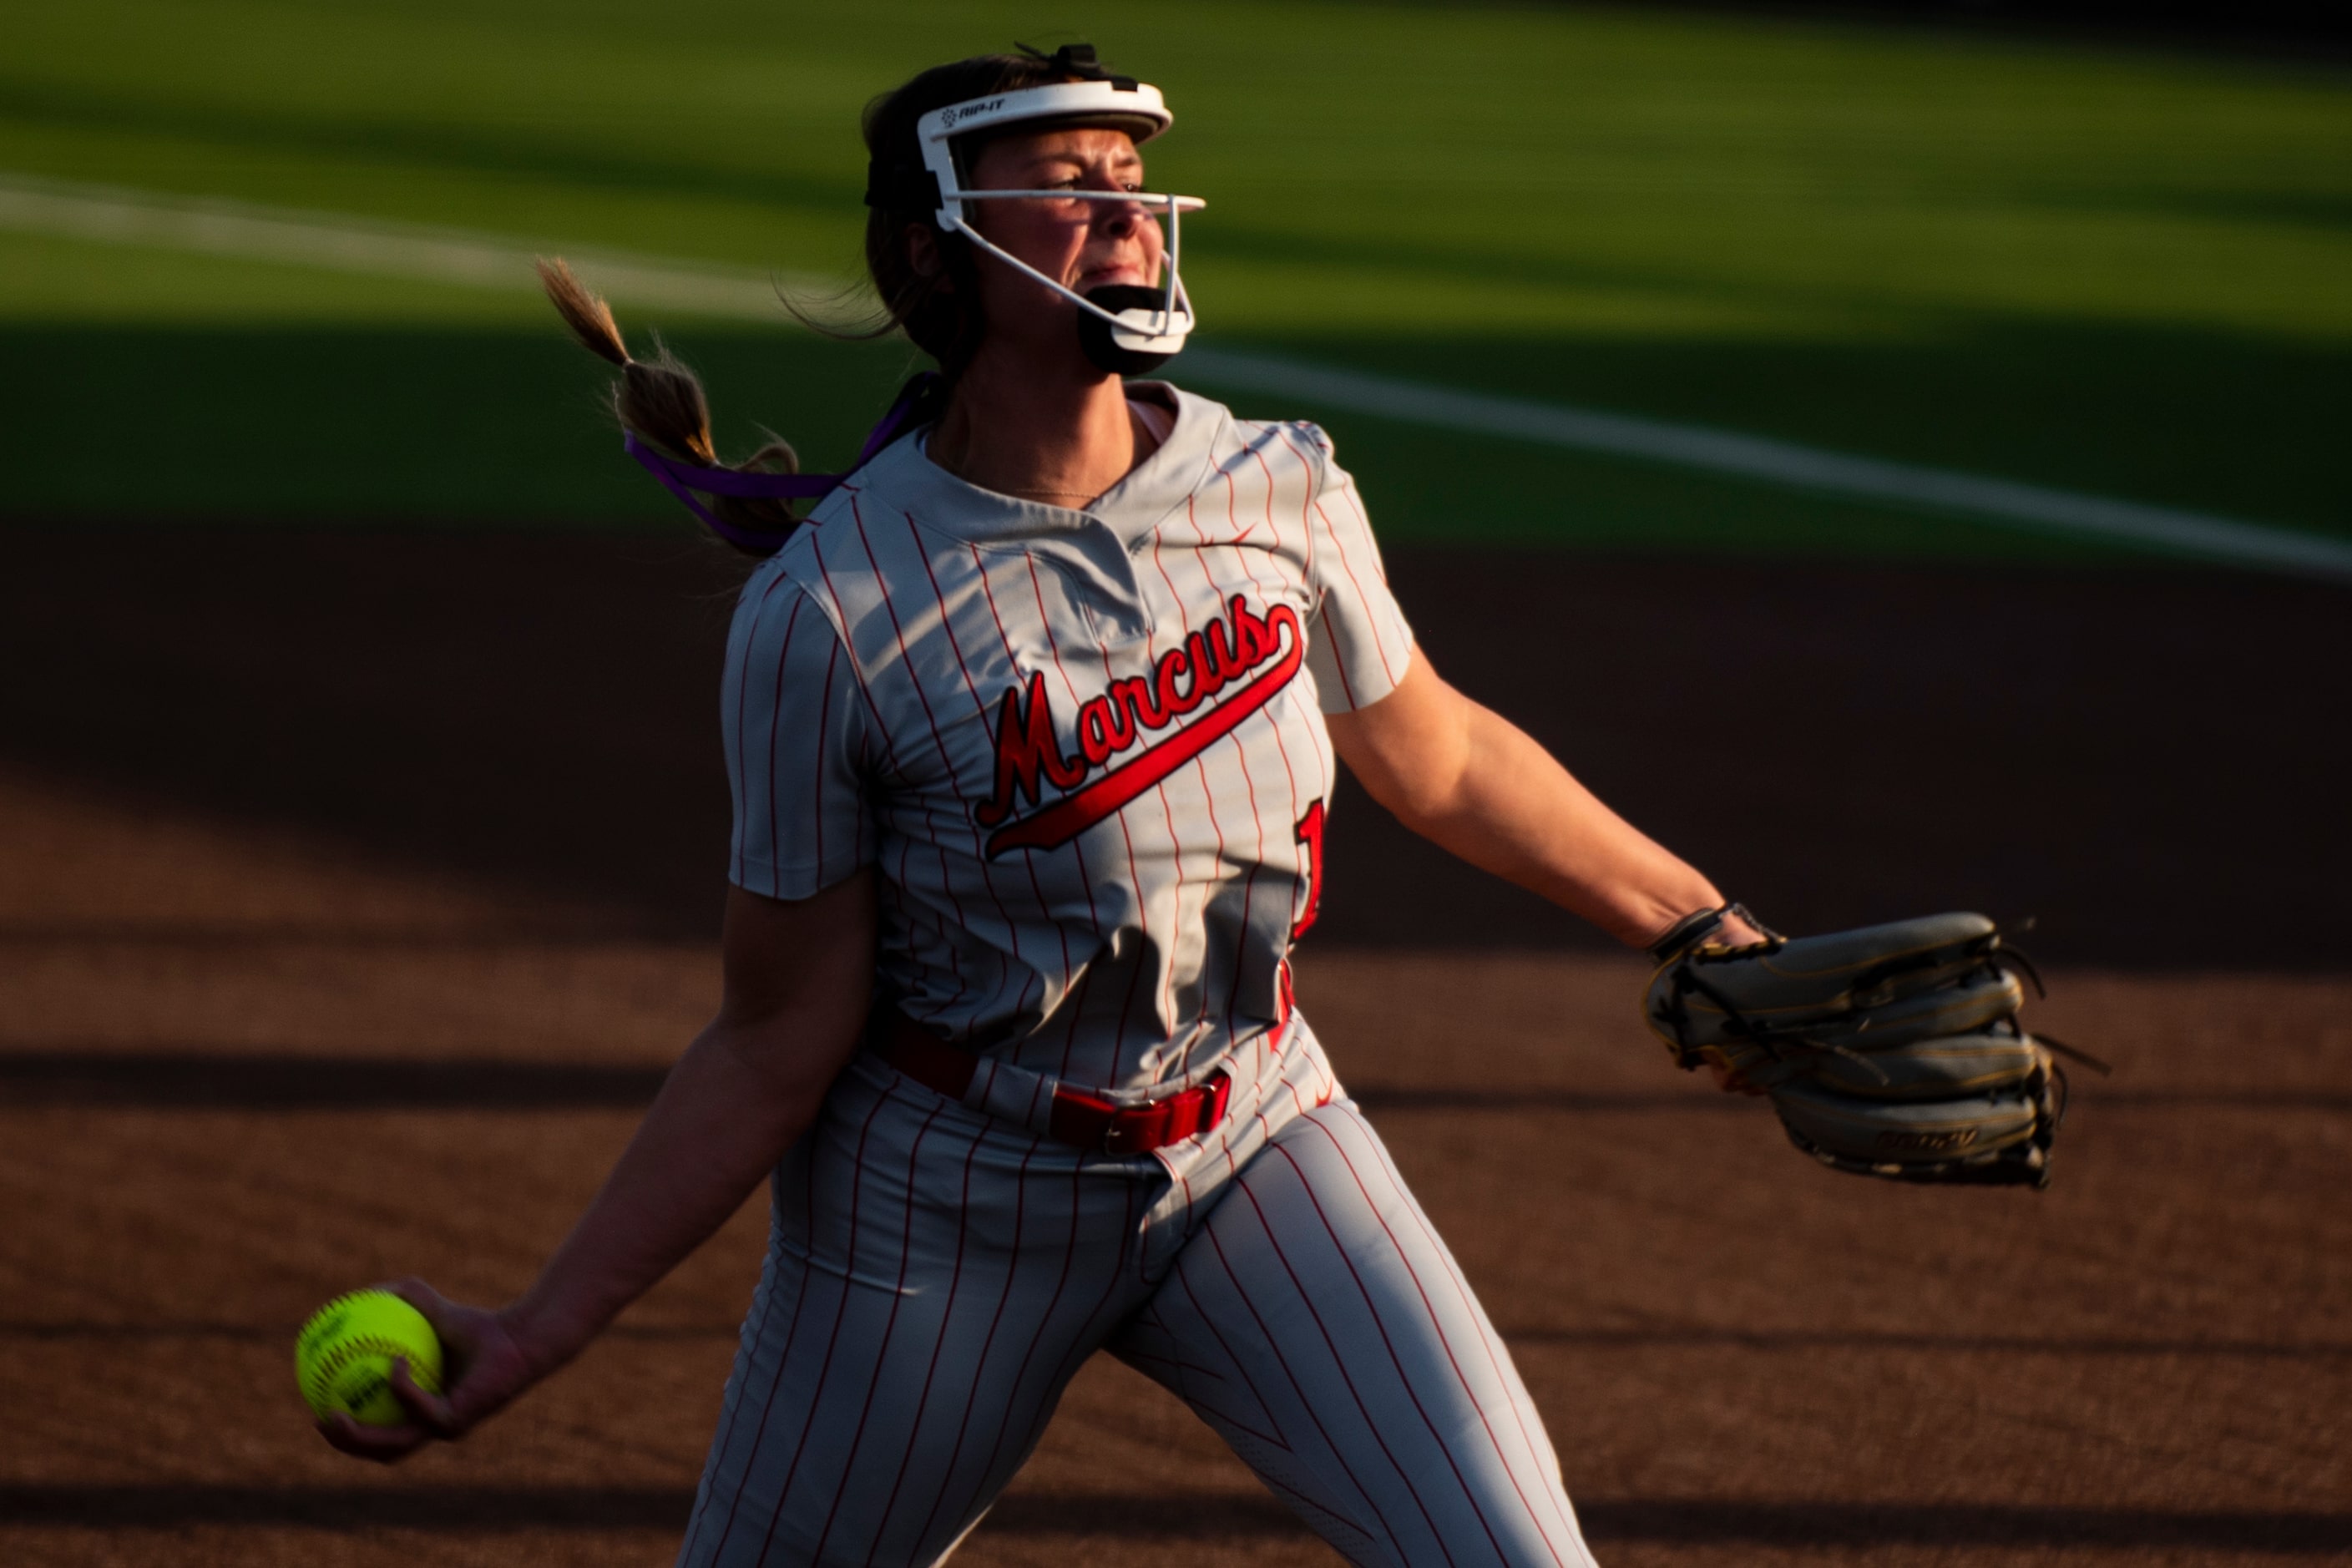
(382, 249)
(1786, 463)
(474, 260)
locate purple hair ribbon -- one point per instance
(683, 478)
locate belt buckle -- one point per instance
(1125, 1132)
(1140, 1128)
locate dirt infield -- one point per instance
(354, 893)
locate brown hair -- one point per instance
(662, 400)
(940, 312)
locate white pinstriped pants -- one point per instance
(934, 1280)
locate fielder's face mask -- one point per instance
(1125, 327)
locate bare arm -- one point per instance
(1472, 782)
(798, 976)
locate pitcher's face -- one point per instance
(1080, 244)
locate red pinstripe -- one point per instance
(840, 1313)
(816, 773)
(1250, 572)
(1089, 1337)
(857, 670)
(1028, 856)
(1078, 846)
(864, 761)
(1287, 1083)
(1134, 972)
(775, 1385)
(1241, 754)
(752, 1460)
(1192, 1398)
(1274, 726)
(1437, 1323)
(1306, 527)
(1134, 879)
(1208, 1319)
(1314, 471)
(987, 1344)
(1209, 792)
(889, 736)
(1078, 1006)
(889, 1322)
(1266, 1336)
(1339, 544)
(1346, 688)
(939, 1340)
(915, 679)
(1074, 999)
(947, 623)
(1249, 898)
(735, 1417)
(1315, 504)
(1258, 455)
(1331, 1345)
(1301, 1500)
(1037, 1336)
(1272, 1440)
(1356, 500)
(1280, 745)
(743, 690)
(1395, 1361)
(1175, 858)
(1322, 1096)
(1489, 1344)
(916, 915)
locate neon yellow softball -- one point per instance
(343, 1356)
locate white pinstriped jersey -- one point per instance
(1083, 750)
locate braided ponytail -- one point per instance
(661, 404)
(661, 401)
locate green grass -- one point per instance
(388, 424)
(2125, 272)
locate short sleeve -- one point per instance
(1358, 645)
(795, 724)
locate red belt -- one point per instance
(1077, 1118)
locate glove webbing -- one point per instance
(1764, 1039)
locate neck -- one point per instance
(1058, 434)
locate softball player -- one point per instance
(1031, 727)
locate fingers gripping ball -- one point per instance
(343, 1356)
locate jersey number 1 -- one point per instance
(1309, 833)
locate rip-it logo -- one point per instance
(951, 117)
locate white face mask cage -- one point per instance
(1137, 329)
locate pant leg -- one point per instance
(933, 1281)
(1315, 1320)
